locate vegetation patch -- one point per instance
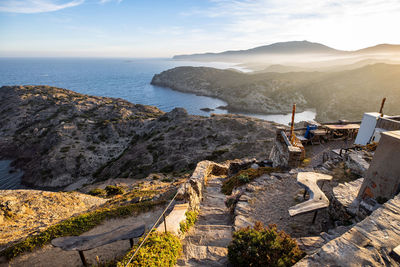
(244, 177)
(191, 219)
(98, 192)
(160, 249)
(113, 190)
(76, 226)
(263, 246)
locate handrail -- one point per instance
(152, 228)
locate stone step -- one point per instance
(214, 210)
(211, 235)
(214, 219)
(203, 256)
(213, 202)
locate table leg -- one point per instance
(83, 258)
(315, 216)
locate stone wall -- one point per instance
(192, 191)
(283, 154)
(382, 180)
(389, 123)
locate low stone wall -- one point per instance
(192, 191)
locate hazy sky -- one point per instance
(162, 28)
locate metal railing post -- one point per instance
(165, 223)
(154, 225)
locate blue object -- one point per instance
(308, 133)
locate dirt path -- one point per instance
(206, 243)
(270, 205)
(51, 256)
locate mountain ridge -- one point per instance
(290, 47)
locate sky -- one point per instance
(163, 28)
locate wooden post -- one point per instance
(165, 223)
(382, 105)
(292, 125)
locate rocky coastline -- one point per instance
(335, 95)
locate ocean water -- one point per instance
(124, 78)
(9, 178)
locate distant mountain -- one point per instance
(381, 48)
(293, 47)
(289, 49)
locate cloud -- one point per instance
(107, 1)
(347, 24)
(36, 6)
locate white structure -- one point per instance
(367, 128)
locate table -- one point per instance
(349, 130)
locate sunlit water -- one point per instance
(124, 78)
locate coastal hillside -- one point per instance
(61, 138)
(335, 95)
(58, 137)
(176, 141)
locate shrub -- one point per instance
(160, 249)
(244, 177)
(191, 219)
(113, 190)
(263, 246)
(97, 192)
(64, 149)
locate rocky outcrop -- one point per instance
(61, 138)
(343, 200)
(176, 141)
(356, 163)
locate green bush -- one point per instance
(244, 177)
(160, 249)
(191, 219)
(263, 246)
(97, 192)
(113, 190)
(76, 226)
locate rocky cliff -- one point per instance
(335, 95)
(242, 92)
(59, 137)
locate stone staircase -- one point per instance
(206, 243)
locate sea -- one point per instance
(127, 78)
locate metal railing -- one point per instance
(152, 228)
